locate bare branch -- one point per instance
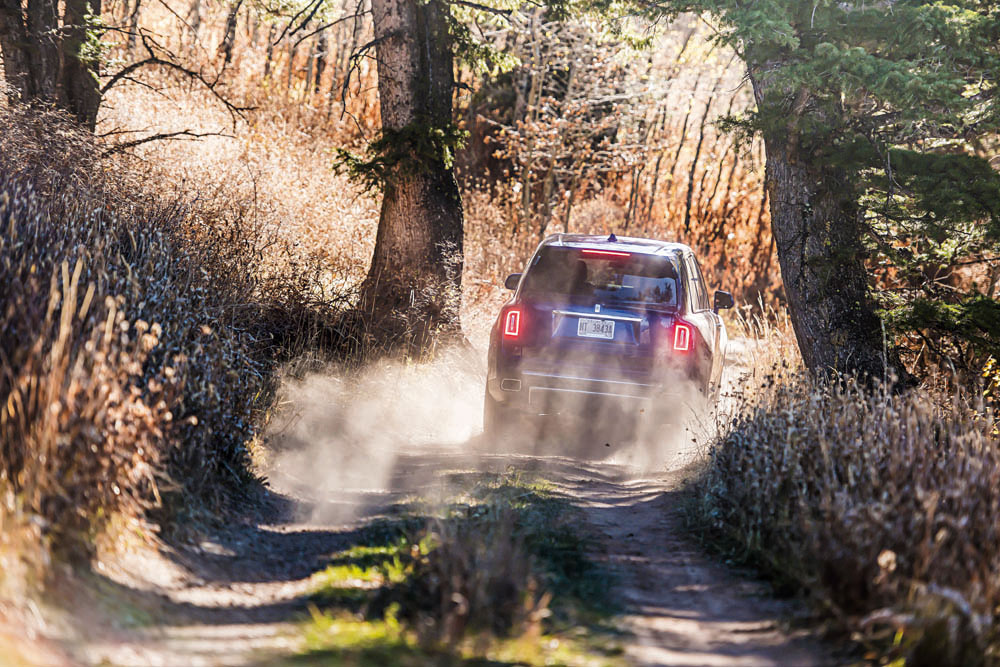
(483, 8)
(182, 135)
(154, 60)
(325, 27)
(354, 64)
(312, 7)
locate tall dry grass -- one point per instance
(140, 332)
(883, 508)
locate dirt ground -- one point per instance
(233, 597)
(230, 601)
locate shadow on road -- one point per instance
(241, 582)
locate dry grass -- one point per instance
(883, 508)
(138, 352)
(498, 573)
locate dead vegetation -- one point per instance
(495, 573)
(633, 149)
(881, 507)
(147, 300)
(138, 353)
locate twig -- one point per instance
(483, 8)
(313, 5)
(155, 60)
(324, 27)
(181, 135)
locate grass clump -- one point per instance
(494, 576)
(884, 508)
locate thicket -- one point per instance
(881, 508)
(139, 335)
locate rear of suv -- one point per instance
(599, 323)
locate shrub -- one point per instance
(138, 343)
(884, 508)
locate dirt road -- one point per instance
(231, 600)
(234, 596)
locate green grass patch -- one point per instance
(498, 574)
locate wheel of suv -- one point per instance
(501, 422)
(493, 416)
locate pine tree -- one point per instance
(879, 119)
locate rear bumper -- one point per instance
(545, 394)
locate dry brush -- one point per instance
(882, 507)
(139, 334)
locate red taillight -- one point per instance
(512, 323)
(616, 254)
(682, 337)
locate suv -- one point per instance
(603, 321)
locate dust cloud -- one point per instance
(338, 437)
(667, 432)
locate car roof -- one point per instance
(622, 243)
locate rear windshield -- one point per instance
(586, 277)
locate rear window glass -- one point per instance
(573, 274)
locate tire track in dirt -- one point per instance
(681, 607)
(229, 600)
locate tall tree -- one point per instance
(416, 268)
(866, 108)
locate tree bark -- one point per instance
(322, 47)
(817, 226)
(229, 37)
(416, 268)
(45, 61)
(14, 48)
(81, 87)
(43, 50)
(269, 52)
(133, 25)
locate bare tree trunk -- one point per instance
(229, 38)
(133, 25)
(43, 49)
(704, 204)
(417, 264)
(321, 49)
(310, 63)
(81, 87)
(817, 226)
(694, 166)
(44, 60)
(269, 52)
(653, 189)
(291, 67)
(194, 18)
(13, 46)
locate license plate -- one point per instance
(589, 328)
